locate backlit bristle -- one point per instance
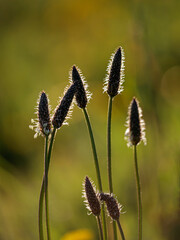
(91, 198)
(63, 108)
(135, 123)
(82, 95)
(115, 75)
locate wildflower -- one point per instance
(115, 73)
(42, 125)
(113, 207)
(135, 123)
(91, 198)
(62, 109)
(82, 95)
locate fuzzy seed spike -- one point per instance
(63, 108)
(42, 124)
(43, 115)
(113, 207)
(82, 95)
(91, 198)
(136, 126)
(115, 76)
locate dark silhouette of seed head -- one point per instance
(114, 79)
(113, 207)
(91, 198)
(63, 108)
(43, 115)
(82, 96)
(136, 126)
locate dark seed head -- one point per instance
(113, 206)
(136, 126)
(43, 115)
(63, 108)
(81, 94)
(115, 75)
(93, 203)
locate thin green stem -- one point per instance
(46, 190)
(109, 157)
(138, 186)
(100, 228)
(40, 215)
(109, 145)
(51, 145)
(120, 230)
(93, 149)
(41, 197)
(96, 163)
(115, 230)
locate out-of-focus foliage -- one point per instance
(40, 41)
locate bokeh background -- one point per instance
(40, 41)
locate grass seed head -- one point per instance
(135, 123)
(43, 115)
(82, 95)
(63, 108)
(113, 207)
(115, 73)
(42, 124)
(91, 198)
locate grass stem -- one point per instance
(46, 188)
(109, 145)
(41, 197)
(96, 167)
(139, 202)
(120, 229)
(40, 215)
(109, 157)
(100, 228)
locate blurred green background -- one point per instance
(39, 42)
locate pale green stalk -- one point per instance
(138, 186)
(109, 157)
(96, 163)
(100, 228)
(120, 230)
(46, 192)
(41, 198)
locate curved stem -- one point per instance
(109, 157)
(120, 229)
(100, 227)
(41, 197)
(138, 186)
(93, 149)
(96, 163)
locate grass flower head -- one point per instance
(115, 73)
(113, 207)
(135, 124)
(42, 125)
(62, 110)
(82, 95)
(91, 198)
